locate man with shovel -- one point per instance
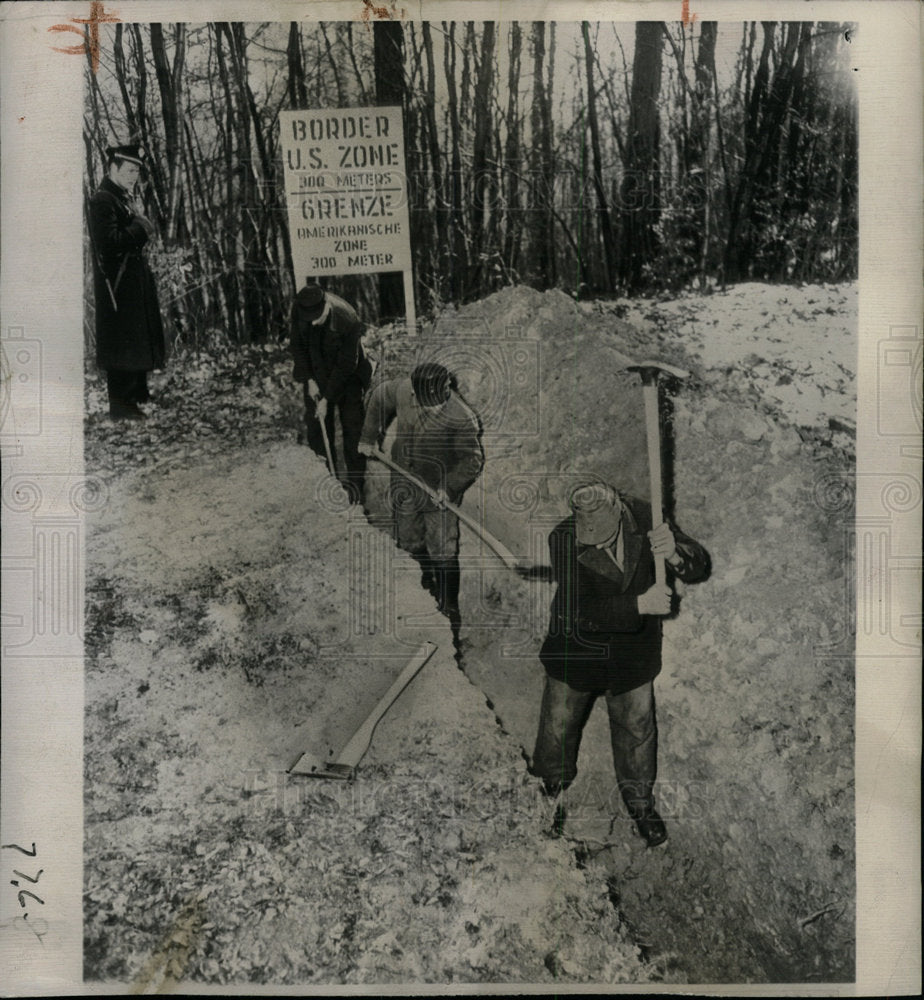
(604, 638)
(438, 445)
(326, 343)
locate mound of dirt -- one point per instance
(756, 699)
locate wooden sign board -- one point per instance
(346, 190)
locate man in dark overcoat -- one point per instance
(604, 638)
(129, 329)
(326, 343)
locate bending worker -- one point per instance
(604, 638)
(438, 440)
(326, 343)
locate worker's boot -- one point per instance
(448, 580)
(120, 410)
(648, 820)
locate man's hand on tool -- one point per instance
(440, 497)
(321, 410)
(369, 450)
(655, 601)
(314, 391)
(662, 543)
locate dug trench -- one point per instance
(220, 564)
(219, 649)
(756, 697)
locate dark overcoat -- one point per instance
(129, 329)
(597, 640)
(331, 352)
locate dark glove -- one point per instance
(145, 224)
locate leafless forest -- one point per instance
(597, 158)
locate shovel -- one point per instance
(330, 457)
(500, 550)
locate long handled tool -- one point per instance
(501, 550)
(649, 371)
(344, 767)
(330, 457)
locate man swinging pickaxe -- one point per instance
(649, 372)
(605, 634)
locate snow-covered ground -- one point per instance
(797, 346)
(222, 561)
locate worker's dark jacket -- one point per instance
(331, 353)
(442, 448)
(597, 639)
(129, 330)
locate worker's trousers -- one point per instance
(633, 736)
(352, 413)
(421, 526)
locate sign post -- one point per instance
(346, 194)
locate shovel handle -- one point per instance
(330, 457)
(500, 550)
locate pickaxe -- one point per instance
(344, 767)
(649, 371)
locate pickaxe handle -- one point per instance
(354, 751)
(501, 550)
(653, 433)
(649, 371)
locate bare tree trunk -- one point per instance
(512, 154)
(388, 40)
(482, 187)
(169, 80)
(134, 130)
(439, 251)
(260, 231)
(351, 48)
(766, 113)
(603, 209)
(334, 66)
(640, 193)
(456, 218)
(155, 170)
(548, 151)
(542, 192)
(169, 84)
(700, 159)
(232, 257)
(208, 251)
(465, 85)
(296, 89)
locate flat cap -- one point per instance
(311, 298)
(432, 383)
(597, 510)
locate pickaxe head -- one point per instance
(650, 370)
